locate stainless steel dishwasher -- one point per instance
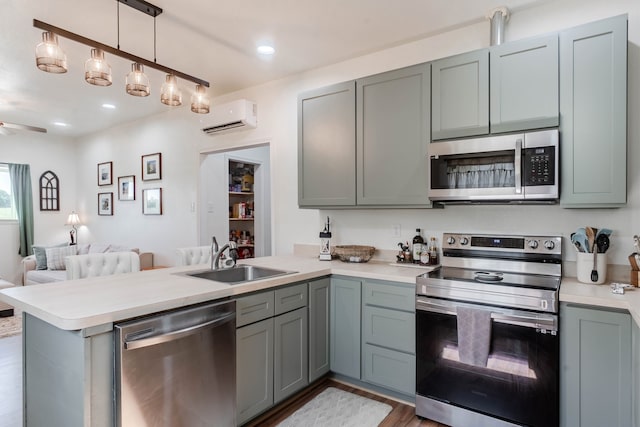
(177, 368)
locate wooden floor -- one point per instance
(11, 396)
(400, 416)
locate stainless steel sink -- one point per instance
(239, 274)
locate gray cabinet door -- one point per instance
(326, 146)
(595, 367)
(593, 107)
(254, 307)
(290, 298)
(524, 84)
(393, 115)
(318, 328)
(389, 369)
(254, 369)
(345, 327)
(290, 372)
(460, 95)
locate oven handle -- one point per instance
(547, 322)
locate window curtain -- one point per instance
(23, 199)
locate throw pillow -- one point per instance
(83, 248)
(56, 256)
(41, 255)
(98, 248)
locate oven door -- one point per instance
(520, 381)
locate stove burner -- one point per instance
(485, 276)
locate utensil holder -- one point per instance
(584, 265)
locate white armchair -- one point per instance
(101, 264)
(194, 255)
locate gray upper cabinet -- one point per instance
(524, 84)
(593, 109)
(460, 95)
(393, 112)
(326, 146)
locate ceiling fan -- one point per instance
(6, 128)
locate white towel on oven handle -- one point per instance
(474, 335)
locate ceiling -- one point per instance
(212, 40)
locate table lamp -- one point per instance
(73, 219)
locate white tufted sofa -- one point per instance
(101, 264)
(194, 255)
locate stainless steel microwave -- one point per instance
(513, 168)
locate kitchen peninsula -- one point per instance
(69, 325)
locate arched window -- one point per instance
(49, 192)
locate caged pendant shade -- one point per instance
(169, 93)
(49, 55)
(97, 70)
(200, 101)
(137, 81)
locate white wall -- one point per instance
(42, 152)
(176, 134)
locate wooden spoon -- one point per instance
(591, 238)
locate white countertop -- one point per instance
(79, 304)
(84, 303)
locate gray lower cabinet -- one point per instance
(524, 84)
(290, 372)
(319, 301)
(271, 348)
(68, 375)
(326, 146)
(392, 135)
(388, 335)
(593, 107)
(345, 326)
(595, 367)
(460, 95)
(254, 369)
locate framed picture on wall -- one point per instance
(104, 173)
(152, 201)
(152, 167)
(105, 203)
(127, 187)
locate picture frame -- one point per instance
(152, 201)
(152, 167)
(105, 203)
(105, 172)
(127, 187)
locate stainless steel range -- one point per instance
(487, 339)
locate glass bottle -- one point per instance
(433, 252)
(418, 247)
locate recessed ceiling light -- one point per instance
(109, 106)
(61, 124)
(266, 50)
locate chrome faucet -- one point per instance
(216, 253)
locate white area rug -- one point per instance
(334, 407)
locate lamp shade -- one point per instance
(49, 55)
(170, 93)
(200, 101)
(137, 81)
(73, 219)
(97, 70)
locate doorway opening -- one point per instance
(235, 199)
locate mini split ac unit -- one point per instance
(236, 115)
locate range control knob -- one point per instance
(451, 240)
(464, 241)
(549, 244)
(533, 244)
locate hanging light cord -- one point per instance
(118, 22)
(154, 38)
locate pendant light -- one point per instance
(97, 70)
(170, 93)
(49, 55)
(137, 81)
(200, 101)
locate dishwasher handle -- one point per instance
(175, 335)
